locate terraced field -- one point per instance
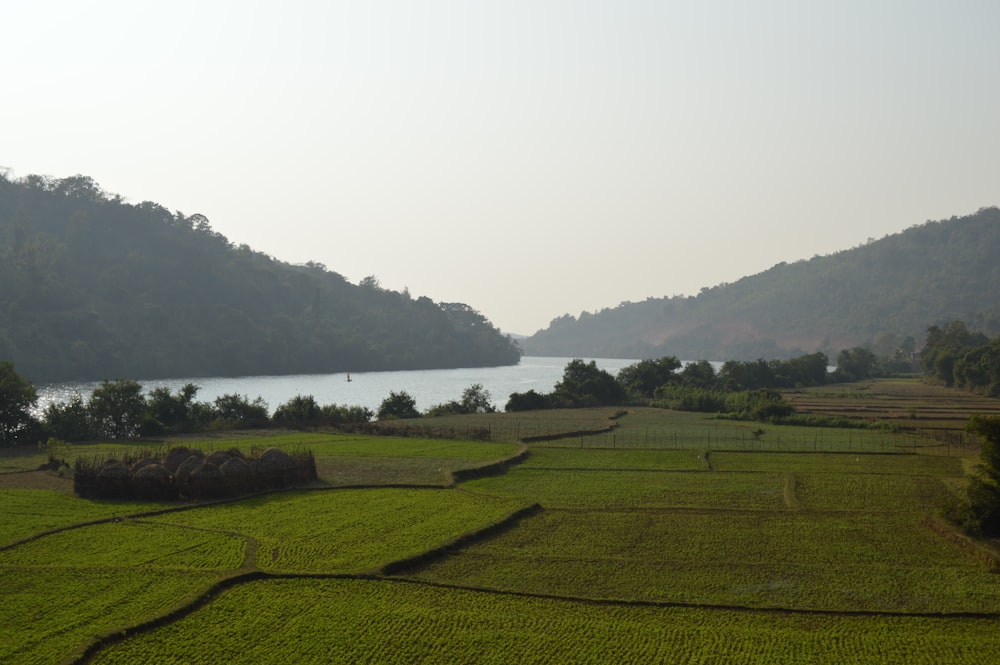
(577, 553)
(356, 621)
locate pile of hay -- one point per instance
(187, 473)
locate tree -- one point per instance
(978, 368)
(238, 410)
(298, 412)
(176, 412)
(644, 377)
(398, 405)
(943, 348)
(856, 364)
(336, 414)
(584, 384)
(70, 420)
(983, 510)
(17, 397)
(527, 401)
(698, 374)
(747, 375)
(476, 399)
(807, 370)
(117, 408)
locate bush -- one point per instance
(979, 514)
(398, 405)
(298, 412)
(238, 411)
(529, 401)
(335, 414)
(69, 421)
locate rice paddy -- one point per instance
(750, 552)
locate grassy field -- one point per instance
(681, 538)
(357, 621)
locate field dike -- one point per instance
(575, 434)
(496, 468)
(165, 619)
(390, 572)
(413, 563)
(791, 498)
(251, 574)
(669, 604)
(157, 511)
(209, 595)
(967, 544)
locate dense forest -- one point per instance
(93, 287)
(882, 296)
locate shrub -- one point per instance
(398, 405)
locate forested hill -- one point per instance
(92, 287)
(876, 295)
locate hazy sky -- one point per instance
(529, 158)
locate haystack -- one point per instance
(205, 482)
(153, 482)
(237, 475)
(172, 460)
(113, 479)
(218, 458)
(276, 468)
(137, 465)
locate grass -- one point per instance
(27, 512)
(129, 544)
(668, 538)
(542, 457)
(897, 465)
(346, 531)
(351, 621)
(636, 489)
(908, 404)
(791, 560)
(50, 613)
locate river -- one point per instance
(427, 387)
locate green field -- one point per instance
(346, 531)
(354, 621)
(579, 552)
(28, 512)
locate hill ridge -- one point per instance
(92, 287)
(883, 294)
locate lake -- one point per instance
(428, 387)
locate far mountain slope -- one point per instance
(92, 287)
(876, 295)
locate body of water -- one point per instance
(428, 387)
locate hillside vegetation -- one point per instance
(882, 295)
(92, 287)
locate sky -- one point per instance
(531, 158)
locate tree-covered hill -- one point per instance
(92, 287)
(882, 295)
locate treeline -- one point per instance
(123, 410)
(978, 511)
(958, 357)
(742, 389)
(94, 287)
